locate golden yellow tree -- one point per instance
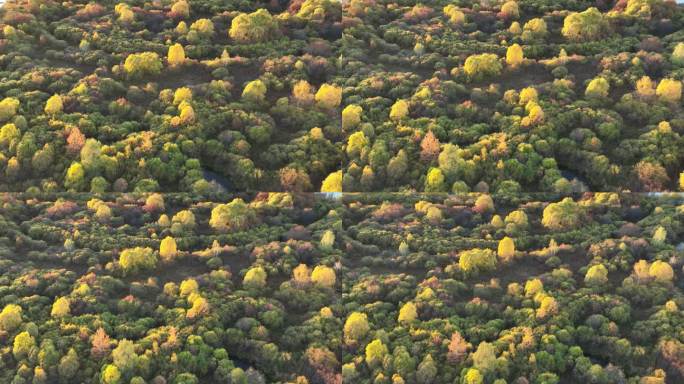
(399, 110)
(408, 313)
(301, 274)
(176, 55)
(329, 96)
(514, 55)
(351, 116)
(54, 105)
(324, 276)
(669, 90)
(332, 183)
(506, 249)
(168, 249)
(61, 307)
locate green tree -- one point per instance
(234, 216)
(477, 260)
(138, 259)
(253, 27)
(585, 26)
(143, 64)
(69, 365)
(563, 215)
(124, 356)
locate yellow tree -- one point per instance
(506, 250)
(168, 249)
(255, 278)
(301, 274)
(355, 327)
(399, 110)
(329, 96)
(254, 91)
(54, 105)
(669, 90)
(514, 55)
(408, 313)
(351, 116)
(61, 307)
(332, 183)
(176, 55)
(254, 27)
(323, 276)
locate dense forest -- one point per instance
(341, 192)
(193, 96)
(203, 96)
(353, 288)
(504, 96)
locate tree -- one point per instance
(506, 250)
(253, 27)
(408, 313)
(351, 116)
(585, 26)
(188, 287)
(678, 54)
(69, 365)
(645, 88)
(176, 55)
(61, 307)
(547, 307)
(168, 249)
(427, 370)
(255, 278)
(510, 10)
(563, 215)
(457, 349)
(473, 376)
(323, 276)
(669, 90)
(456, 16)
(10, 317)
(54, 105)
(514, 55)
(429, 148)
(143, 64)
(327, 240)
(100, 344)
(484, 203)
(598, 87)
(477, 260)
(596, 275)
(204, 27)
(355, 327)
(138, 259)
(652, 175)
(332, 183)
(661, 271)
(75, 177)
(484, 358)
(9, 135)
(303, 93)
(329, 96)
(181, 8)
(8, 108)
(111, 374)
(399, 110)
(482, 65)
(356, 142)
(124, 356)
(234, 216)
(375, 352)
(254, 91)
(434, 182)
(23, 344)
(301, 274)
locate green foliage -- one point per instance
(482, 65)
